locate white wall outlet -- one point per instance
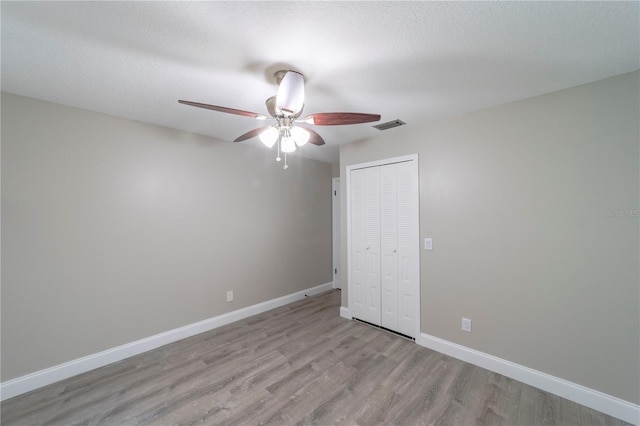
(466, 325)
(428, 244)
(230, 296)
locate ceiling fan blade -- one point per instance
(225, 109)
(340, 118)
(290, 97)
(250, 134)
(314, 138)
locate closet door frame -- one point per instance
(413, 158)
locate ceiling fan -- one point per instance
(286, 108)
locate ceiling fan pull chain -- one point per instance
(285, 161)
(278, 157)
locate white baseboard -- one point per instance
(344, 313)
(29, 382)
(591, 398)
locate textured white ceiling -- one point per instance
(417, 61)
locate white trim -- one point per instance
(347, 205)
(414, 159)
(29, 382)
(335, 225)
(591, 398)
(344, 313)
(383, 162)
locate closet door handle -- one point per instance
(367, 248)
(394, 250)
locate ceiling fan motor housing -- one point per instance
(290, 96)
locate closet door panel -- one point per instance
(372, 245)
(408, 242)
(357, 199)
(388, 246)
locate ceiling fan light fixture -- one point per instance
(269, 136)
(300, 135)
(288, 145)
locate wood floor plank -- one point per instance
(297, 364)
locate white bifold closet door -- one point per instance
(384, 234)
(365, 243)
(389, 246)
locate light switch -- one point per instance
(428, 244)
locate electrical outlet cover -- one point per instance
(466, 325)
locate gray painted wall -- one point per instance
(114, 230)
(335, 170)
(533, 211)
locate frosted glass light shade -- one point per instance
(269, 136)
(288, 145)
(300, 135)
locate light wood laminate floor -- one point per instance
(298, 364)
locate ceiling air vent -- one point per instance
(389, 124)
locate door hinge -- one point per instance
(335, 193)
(335, 271)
